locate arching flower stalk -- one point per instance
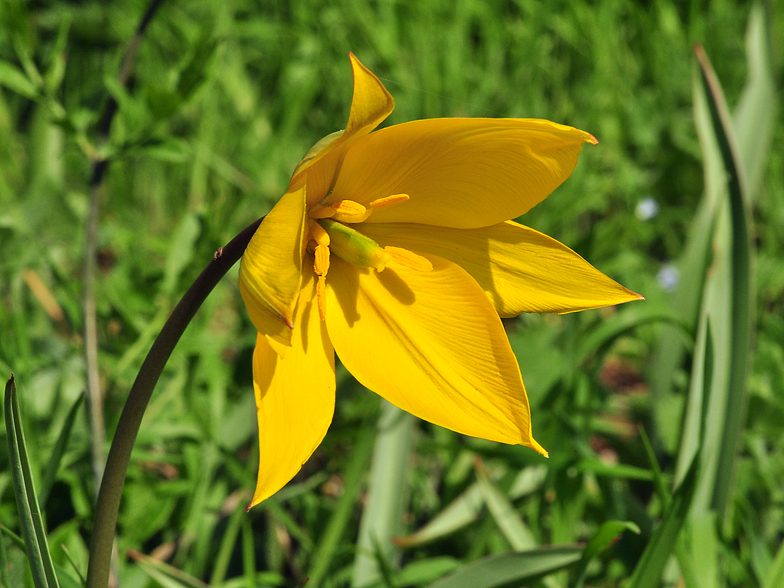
(395, 250)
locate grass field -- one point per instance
(663, 418)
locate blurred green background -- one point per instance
(223, 99)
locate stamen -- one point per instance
(321, 265)
(348, 211)
(388, 201)
(321, 297)
(318, 234)
(409, 259)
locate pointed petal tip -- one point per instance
(533, 444)
(591, 139)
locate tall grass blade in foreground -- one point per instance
(728, 298)
(33, 530)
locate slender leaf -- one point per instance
(50, 473)
(623, 322)
(649, 569)
(227, 545)
(465, 509)
(511, 569)
(33, 531)
(700, 385)
(462, 511)
(15, 539)
(506, 517)
(426, 570)
(775, 577)
(13, 79)
(755, 114)
(740, 286)
(658, 477)
(603, 538)
(248, 553)
(386, 499)
(328, 545)
(3, 563)
(166, 575)
(622, 471)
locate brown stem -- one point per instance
(108, 503)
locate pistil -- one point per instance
(329, 231)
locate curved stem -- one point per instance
(108, 503)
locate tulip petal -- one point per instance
(295, 396)
(430, 343)
(271, 267)
(520, 269)
(370, 105)
(459, 172)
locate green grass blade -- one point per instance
(328, 544)
(3, 563)
(602, 539)
(462, 511)
(63, 574)
(704, 549)
(506, 517)
(248, 554)
(386, 498)
(658, 477)
(741, 285)
(60, 446)
(164, 574)
(465, 509)
(29, 513)
(755, 114)
(754, 123)
(776, 574)
(227, 546)
(511, 569)
(600, 338)
(697, 402)
(649, 569)
(425, 571)
(15, 539)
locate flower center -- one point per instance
(329, 231)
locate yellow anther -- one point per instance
(348, 211)
(321, 297)
(388, 201)
(409, 259)
(321, 265)
(318, 234)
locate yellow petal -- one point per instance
(520, 269)
(430, 343)
(370, 105)
(295, 396)
(459, 172)
(271, 266)
(371, 102)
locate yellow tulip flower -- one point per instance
(394, 249)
